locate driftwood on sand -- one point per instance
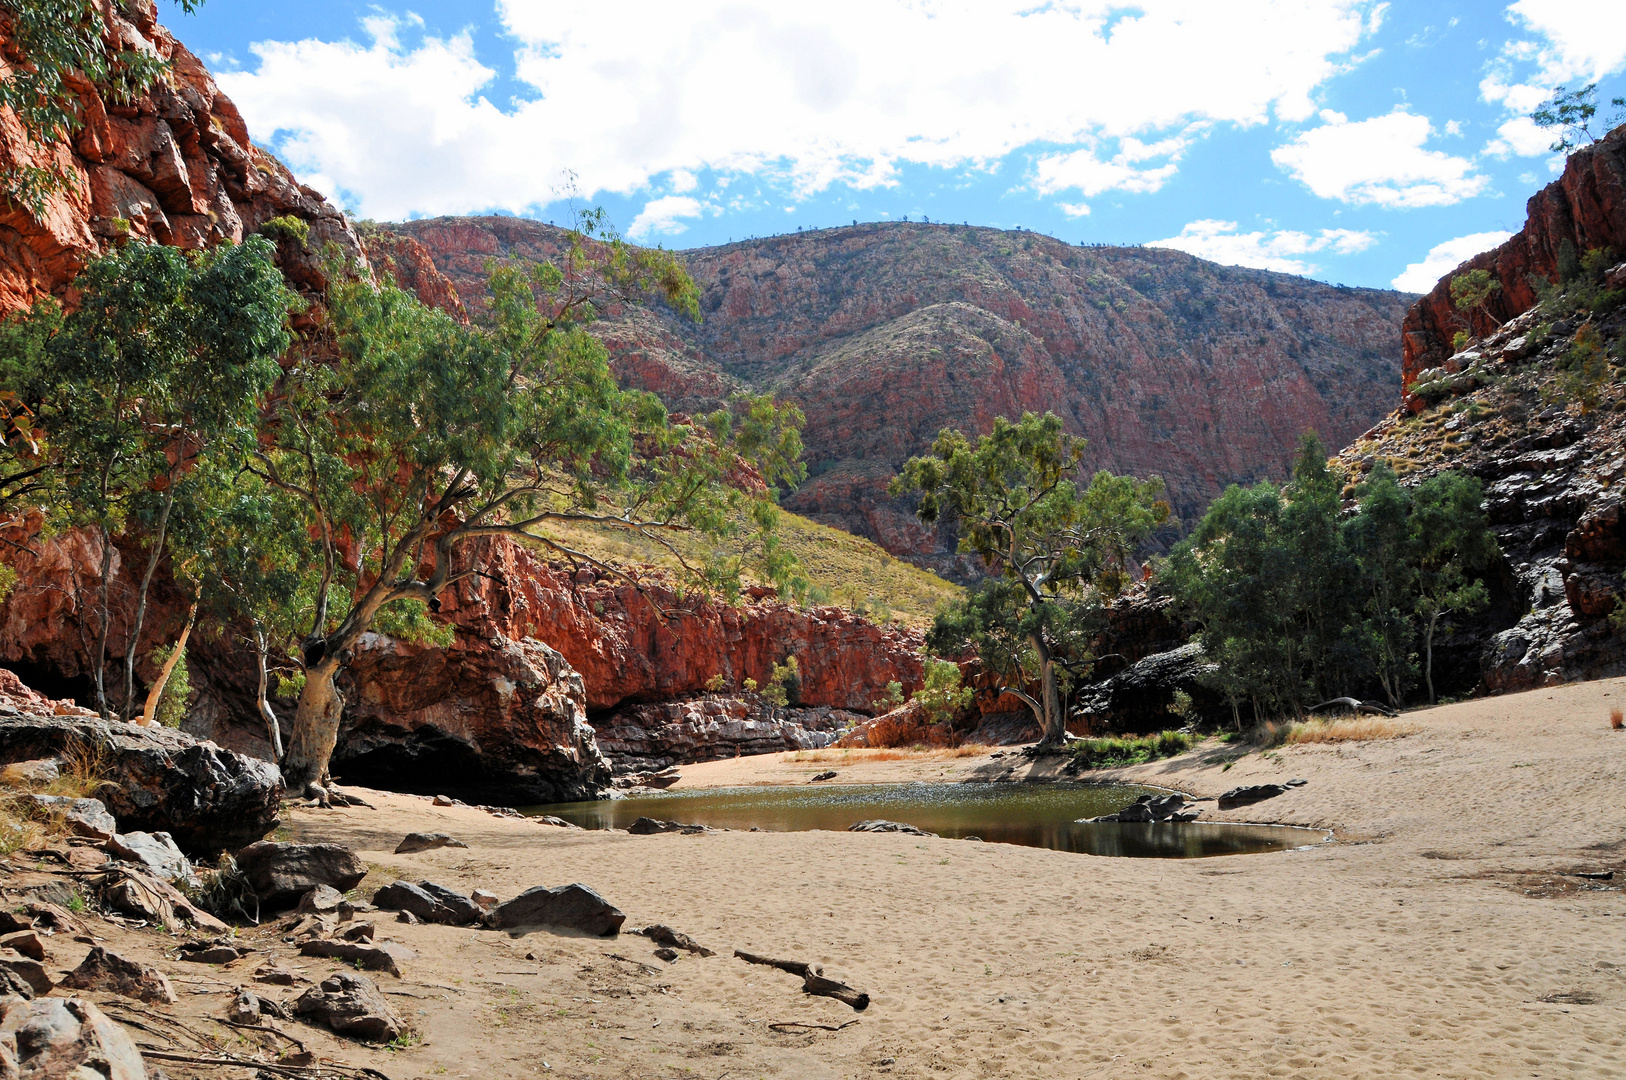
(813, 980)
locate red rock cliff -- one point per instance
(1585, 207)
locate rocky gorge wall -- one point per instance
(503, 712)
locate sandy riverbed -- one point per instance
(1436, 937)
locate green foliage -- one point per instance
(292, 228)
(289, 687)
(890, 699)
(1569, 113)
(177, 695)
(1585, 368)
(1580, 288)
(1057, 549)
(1297, 602)
(58, 43)
(1471, 292)
(942, 698)
(408, 620)
(150, 392)
(716, 683)
(784, 684)
(1119, 752)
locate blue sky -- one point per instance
(1353, 141)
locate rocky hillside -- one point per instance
(886, 333)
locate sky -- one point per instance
(1352, 141)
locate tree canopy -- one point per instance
(1298, 601)
(1056, 547)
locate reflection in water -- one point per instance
(1034, 815)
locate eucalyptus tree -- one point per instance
(1057, 546)
(148, 384)
(404, 436)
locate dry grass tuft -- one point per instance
(1617, 719)
(25, 826)
(1348, 729)
(916, 753)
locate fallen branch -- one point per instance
(781, 1025)
(296, 1072)
(1356, 705)
(630, 960)
(813, 980)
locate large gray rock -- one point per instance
(210, 800)
(351, 1005)
(85, 817)
(567, 907)
(67, 1038)
(426, 841)
(283, 873)
(154, 852)
(428, 901)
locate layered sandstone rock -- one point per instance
(1584, 208)
(174, 166)
(885, 333)
(646, 738)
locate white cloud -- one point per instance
(1420, 277)
(1574, 42)
(1520, 136)
(802, 95)
(1281, 250)
(1381, 160)
(1075, 209)
(664, 216)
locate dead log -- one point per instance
(813, 980)
(1355, 705)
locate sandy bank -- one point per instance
(1437, 937)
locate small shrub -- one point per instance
(784, 684)
(942, 698)
(750, 686)
(1114, 752)
(295, 229)
(891, 699)
(715, 683)
(1617, 719)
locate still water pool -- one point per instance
(1035, 815)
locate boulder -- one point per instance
(566, 907)
(881, 825)
(281, 874)
(371, 957)
(84, 817)
(352, 1005)
(41, 772)
(23, 974)
(322, 900)
(154, 852)
(1150, 808)
(208, 799)
(68, 1038)
(422, 841)
(484, 900)
(110, 973)
(143, 896)
(665, 935)
(428, 901)
(1250, 794)
(646, 826)
(26, 942)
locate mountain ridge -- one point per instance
(885, 333)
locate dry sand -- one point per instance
(1438, 936)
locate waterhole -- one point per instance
(1034, 815)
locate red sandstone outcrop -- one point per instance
(1585, 207)
(884, 333)
(175, 166)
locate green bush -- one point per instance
(177, 693)
(1118, 751)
